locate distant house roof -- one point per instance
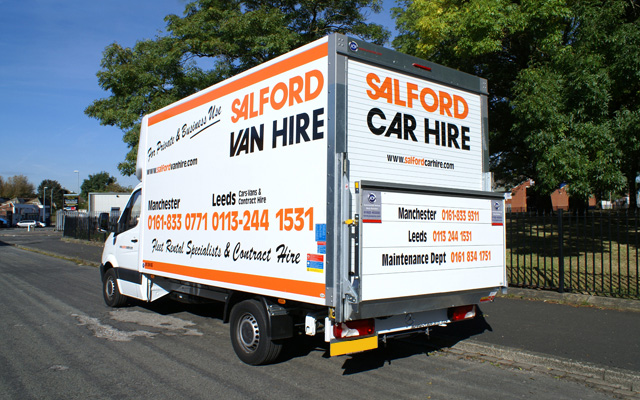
(22, 200)
(36, 201)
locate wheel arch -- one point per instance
(104, 267)
(279, 321)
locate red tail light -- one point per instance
(462, 313)
(362, 327)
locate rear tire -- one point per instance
(110, 290)
(250, 335)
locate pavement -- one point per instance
(50, 242)
(590, 339)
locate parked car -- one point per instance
(3, 223)
(29, 222)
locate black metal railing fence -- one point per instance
(590, 252)
(84, 226)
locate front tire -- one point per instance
(250, 335)
(110, 290)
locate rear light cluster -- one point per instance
(362, 327)
(462, 313)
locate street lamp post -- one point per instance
(44, 203)
(51, 205)
(78, 172)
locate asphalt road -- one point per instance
(605, 337)
(59, 340)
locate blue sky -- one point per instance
(50, 51)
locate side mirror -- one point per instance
(103, 222)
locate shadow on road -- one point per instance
(168, 306)
(396, 348)
(402, 347)
(301, 346)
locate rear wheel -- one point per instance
(112, 295)
(250, 335)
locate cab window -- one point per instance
(131, 214)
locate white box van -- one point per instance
(341, 189)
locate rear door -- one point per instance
(418, 175)
(424, 242)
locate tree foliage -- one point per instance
(55, 190)
(100, 182)
(115, 187)
(563, 77)
(16, 186)
(231, 36)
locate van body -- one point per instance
(341, 189)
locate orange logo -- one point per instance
(414, 96)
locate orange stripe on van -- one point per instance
(256, 281)
(285, 65)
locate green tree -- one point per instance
(115, 187)
(17, 186)
(232, 35)
(563, 78)
(58, 193)
(99, 182)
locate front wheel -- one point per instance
(110, 291)
(250, 335)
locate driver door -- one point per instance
(127, 240)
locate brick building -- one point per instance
(559, 198)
